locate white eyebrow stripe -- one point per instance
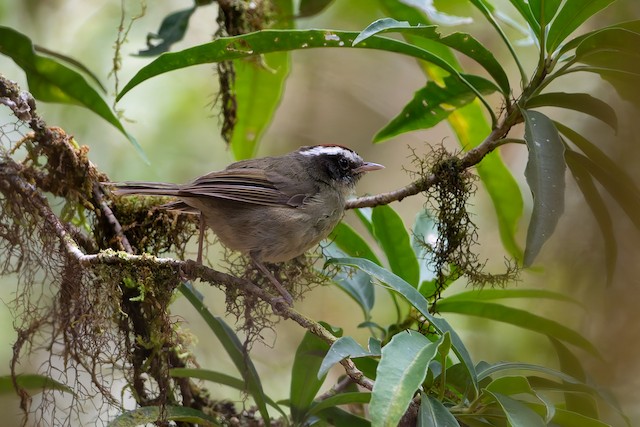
(331, 150)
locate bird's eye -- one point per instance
(343, 163)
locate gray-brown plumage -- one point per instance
(273, 208)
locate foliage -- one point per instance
(414, 371)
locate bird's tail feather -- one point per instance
(144, 188)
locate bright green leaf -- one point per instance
(508, 385)
(572, 14)
(151, 414)
(402, 368)
(517, 317)
(581, 102)
(434, 414)
(492, 294)
(545, 176)
(51, 81)
(351, 243)
(394, 239)
(544, 10)
(522, 6)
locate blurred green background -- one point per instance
(343, 97)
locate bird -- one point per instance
(272, 209)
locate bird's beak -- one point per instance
(367, 167)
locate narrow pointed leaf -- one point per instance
(351, 243)
(305, 379)
(517, 317)
(545, 176)
(462, 42)
(432, 104)
(51, 81)
(572, 14)
(420, 303)
(34, 383)
(581, 102)
(402, 368)
(233, 347)
(434, 414)
(390, 231)
(522, 6)
(171, 31)
(600, 212)
(544, 10)
(340, 399)
(312, 7)
(151, 414)
(493, 294)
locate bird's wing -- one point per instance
(246, 185)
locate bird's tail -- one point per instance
(144, 188)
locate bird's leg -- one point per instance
(200, 239)
(285, 294)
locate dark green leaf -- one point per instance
(572, 14)
(570, 364)
(525, 11)
(345, 347)
(462, 42)
(305, 377)
(518, 414)
(351, 243)
(420, 303)
(600, 212)
(572, 419)
(434, 414)
(394, 240)
(402, 369)
(517, 317)
(581, 102)
(51, 81)
(171, 31)
(151, 414)
(492, 294)
(340, 399)
(312, 7)
(545, 176)
(34, 383)
(626, 195)
(432, 104)
(267, 41)
(233, 347)
(340, 418)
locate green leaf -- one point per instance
(233, 347)
(434, 414)
(493, 294)
(525, 11)
(517, 317)
(339, 417)
(258, 89)
(346, 347)
(432, 104)
(572, 14)
(485, 370)
(351, 243)
(570, 364)
(394, 239)
(305, 378)
(220, 378)
(626, 195)
(581, 102)
(544, 10)
(340, 399)
(424, 231)
(545, 176)
(462, 42)
(518, 414)
(508, 385)
(600, 212)
(35, 383)
(51, 81)
(151, 414)
(172, 30)
(440, 325)
(572, 419)
(402, 369)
